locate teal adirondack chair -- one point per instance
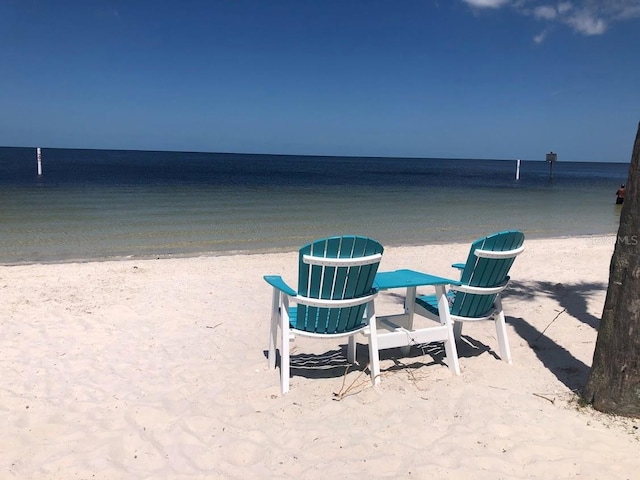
(483, 277)
(334, 298)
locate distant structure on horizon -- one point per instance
(551, 159)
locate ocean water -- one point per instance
(97, 204)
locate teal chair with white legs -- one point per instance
(483, 277)
(335, 298)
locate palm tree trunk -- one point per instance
(614, 382)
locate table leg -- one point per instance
(409, 310)
(410, 305)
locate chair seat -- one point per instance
(430, 304)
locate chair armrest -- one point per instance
(278, 283)
(498, 254)
(328, 303)
(481, 290)
(459, 266)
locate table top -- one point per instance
(409, 278)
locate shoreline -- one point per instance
(266, 251)
(157, 369)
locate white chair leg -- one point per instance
(457, 330)
(374, 355)
(273, 332)
(284, 355)
(351, 349)
(452, 354)
(445, 319)
(501, 331)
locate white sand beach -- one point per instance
(156, 369)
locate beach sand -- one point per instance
(157, 369)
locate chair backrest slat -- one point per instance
(486, 272)
(331, 282)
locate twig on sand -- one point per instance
(554, 319)
(413, 378)
(344, 392)
(551, 400)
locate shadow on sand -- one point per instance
(572, 298)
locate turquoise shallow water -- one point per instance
(95, 204)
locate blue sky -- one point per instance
(451, 78)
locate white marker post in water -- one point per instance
(518, 169)
(39, 155)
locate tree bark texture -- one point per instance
(614, 382)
